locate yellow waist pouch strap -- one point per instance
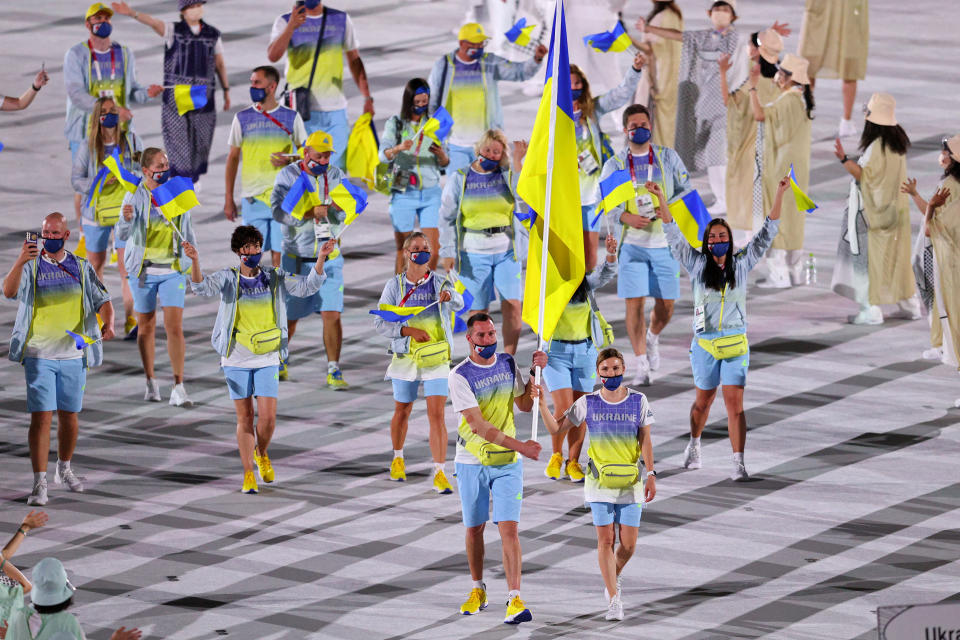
(262, 342)
(614, 475)
(725, 346)
(490, 454)
(430, 354)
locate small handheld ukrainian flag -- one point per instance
(691, 217)
(81, 340)
(393, 313)
(302, 196)
(175, 197)
(113, 164)
(189, 97)
(615, 40)
(349, 198)
(459, 323)
(438, 126)
(616, 189)
(519, 34)
(804, 202)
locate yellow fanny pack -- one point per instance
(430, 354)
(489, 454)
(725, 346)
(614, 475)
(261, 342)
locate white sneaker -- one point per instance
(691, 456)
(653, 351)
(152, 394)
(870, 315)
(641, 376)
(847, 129)
(606, 594)
(65, 475)
(775, 281)
(933, 353)
(179, 397)
(908, 309)
(739, 472)
(614, 609)
(39, 496)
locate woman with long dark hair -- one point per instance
(786, 146)
(873, 257)
(415, 194)
(719, 353)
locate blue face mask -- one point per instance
(719, 249)
(52, 245)
(102, 29)
(161, 176)
(613, 382)
(257, 94)
(109, 120)
(575, 94)
(487, 164)
(420, 257)
(251, 260)
(486, 351)
(475, 53)
(420, 110)
(317, 168)
(640, 135)
(311, 4)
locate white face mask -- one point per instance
(193, 14)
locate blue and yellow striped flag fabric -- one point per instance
(804, 202)
(438, 126)
(393, 313)
(80, 339)
(459, 317)
(175, 197)
(616, 189)
(519, 34)
(615, 40)
(189, 97)
(691, 217)
(113, 164)
(565, 261)
(351, 199)
(302, 196)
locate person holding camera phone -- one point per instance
(57, 293)
(302, 240)
(315, 40)
(416, 165)
(646, 266)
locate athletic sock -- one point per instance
(63, 464)
(515, 593)
(695, 441)
(39, 476)
(478, 584)
(439, 466)
(333, 366)
(652, 337)
(398, 453)
(738, 457)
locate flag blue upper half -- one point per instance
(564, 97)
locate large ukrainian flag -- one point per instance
(555, 149)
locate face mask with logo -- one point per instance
(316, 168)
(161, 176)
(719, 249)
(419, 110)
(257, 94)
(102, 29)
(475, 53)
(613, 382)
(52, 245)
(109, 120)
(420, 257)
(487, 164)
(485, 351)
(251, 260)
(640, 135)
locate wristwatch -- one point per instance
(652, 473)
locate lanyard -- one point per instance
(269, 117)
(633, 174)
(96, 67)
(416, 284)
(62, 268)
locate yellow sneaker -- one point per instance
(336, 382)
(554, 469)
(284, 372)
(114, 257)
(517, 612)
(397, 471)
(440, 483)
(249, 483)
(130, 328)
(263, 466)
(476, 601)
(575, 471)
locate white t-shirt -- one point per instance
(483, 243)
(462, 398)
(168, 37)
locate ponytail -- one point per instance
(808, 98)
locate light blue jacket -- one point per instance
(76, 75)
(494, 68)
(299, 240)
(94, 296)
(425, 164)
(225, 283)
(734, 300)
(85, 168)
(135, 232)
(392, 295)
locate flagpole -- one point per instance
(551, 141)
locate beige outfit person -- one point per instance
(659, 89)
(945, 236)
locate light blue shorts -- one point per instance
(482, 272)
(571, 366)
(170, 289)
(589, 212)
(259, 215)
(476, 483)
(460, 157)
(413, 204)
(96, 237)
(330, 296)
(243, 382)
(406, 390)
(335, 123)
(648, 272)
(709, 373)
(55, 385)
(605, 513)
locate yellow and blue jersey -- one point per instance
(467, 101)
(338, 37)
(490, 388)
(255, 311)
(258, 137)
(487, 200)
(58, 307)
